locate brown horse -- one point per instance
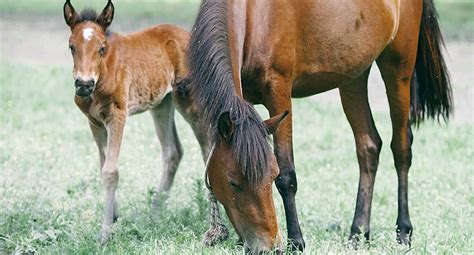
(266, 52)
(117, 76)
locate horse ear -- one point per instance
(107, 15)
(225, 126)
(273, 123)
(70, 15)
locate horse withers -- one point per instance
(266, 52)
(116, 76)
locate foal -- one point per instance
(117, 76)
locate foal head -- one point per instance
(88, 44)
(247, 197)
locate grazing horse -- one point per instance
(117, 76)
(244, 52)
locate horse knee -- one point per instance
(368, 151)
(173, 157)
(402, 155)
(110, 176)
(286, 182)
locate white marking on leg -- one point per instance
(87, 33)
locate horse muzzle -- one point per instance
(84, 88)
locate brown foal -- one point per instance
(266, 52)
(117, 76)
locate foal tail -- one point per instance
(431, 95)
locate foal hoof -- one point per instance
(158, 200)
(215, 235)
(104, 238)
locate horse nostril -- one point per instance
(82, 83)
(89, 83)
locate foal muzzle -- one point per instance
(84, 88)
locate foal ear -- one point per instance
(225, 126)
(70, 15)
(107, 15)
(273, 123)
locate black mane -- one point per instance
(89, 14)
(214, 91)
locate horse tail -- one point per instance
(431, 94)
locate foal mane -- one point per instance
(89, 14)
(214, 91)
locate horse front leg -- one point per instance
(277, 101)
(109, 172)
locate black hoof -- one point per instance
(404, 237)
(404, 231)
(357, 240)
(296, 244)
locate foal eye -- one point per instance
(102, 51)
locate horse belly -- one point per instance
(339, 40)
(311, 84)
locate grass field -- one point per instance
(51, 196)
(51, 193)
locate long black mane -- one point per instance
(214, 91)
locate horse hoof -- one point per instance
(297, 244)
(215, 235)
(404, 239)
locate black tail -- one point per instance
(431, 95)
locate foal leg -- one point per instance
(172, 152)
(278, 100)
(368, 145)
(100, 137)
(110, 174)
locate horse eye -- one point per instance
(235, 186)
(102, 51)
(71, 48)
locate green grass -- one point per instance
(51, 197)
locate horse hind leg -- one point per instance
(396, 65)
(172, 151)
(368, 145)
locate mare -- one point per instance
(116, 76)
(245, 52)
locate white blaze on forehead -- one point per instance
(87, 33)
